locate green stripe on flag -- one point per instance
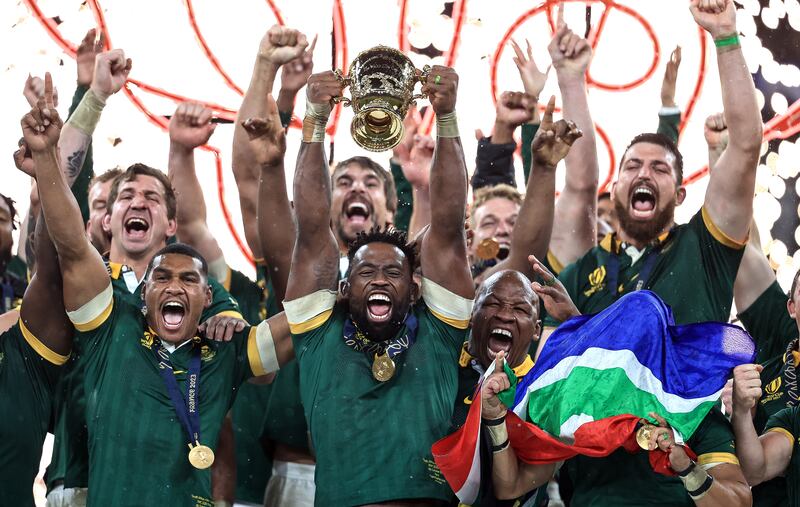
(507, 396)
(588, 394)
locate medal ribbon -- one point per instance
(649, 262)
(354, 338)
(790, 375)
(187, 409)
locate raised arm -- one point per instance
(761, 458)
(444, 248)
(511, 477)
(417, 171)
(575, 221)
(669, 117)
(535, 220)
(755, 275)
(84, 274)
(276, 228)
(189, 128)
(42, 309)
(315, 260)
(716, 133)
(729, 197)
(278, 46)
(111, 70)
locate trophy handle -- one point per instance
(345, 83)
(422, 77)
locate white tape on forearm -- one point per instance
(447, 125)
(87, 114)
(498, 434)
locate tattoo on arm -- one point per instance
(74, 164)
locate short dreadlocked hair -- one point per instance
(390, 235)
(12, 210)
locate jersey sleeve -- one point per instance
(95, 312)
(40, 348)
(449, 309)
(43, 366)
(713, 442)
(769, 323)
(783, 422)
(222, 303)
(310, 311)
(260, 350)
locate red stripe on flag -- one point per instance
(458, 455)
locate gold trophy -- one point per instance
(381, 81)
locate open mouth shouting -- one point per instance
(379, 307)
(172, 314)
(643, 202)
(136, 227)
(499, 339)
(357, 212)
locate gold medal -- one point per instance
(488, 248)
(643, 435)
(200, 456)
(382, 367)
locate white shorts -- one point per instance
(66, 497)
(291, 485)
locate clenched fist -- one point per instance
(191, 125)
(746, 388)
(441, 86)
(111, 70)
(492, 407)
(282, 45)
(323, 87)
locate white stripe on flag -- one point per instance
(604, 359)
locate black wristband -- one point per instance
(493, 422)
(703, 488)
(687, 470)
(501, 447)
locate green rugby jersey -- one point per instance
(28, 375)
(253, 464)
(13, 283)
(787, 423)
(137, 447)
(693, 273)
(622, 478)
(69, 462)
(769, 323)
(373, 439)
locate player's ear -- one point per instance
(209, 295)
(681, 195)
(344, 288)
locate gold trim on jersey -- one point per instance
(519, 371)
(114, 269)
(261, 350)
(310, 311)
(555, 264)
(720, 236)
(716, 458)
(446, 306)
(784, 432)
(40, 348)
(92, 314)
(230, 313)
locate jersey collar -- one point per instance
(519, 371)
(609, 243)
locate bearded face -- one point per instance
(646, 193)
